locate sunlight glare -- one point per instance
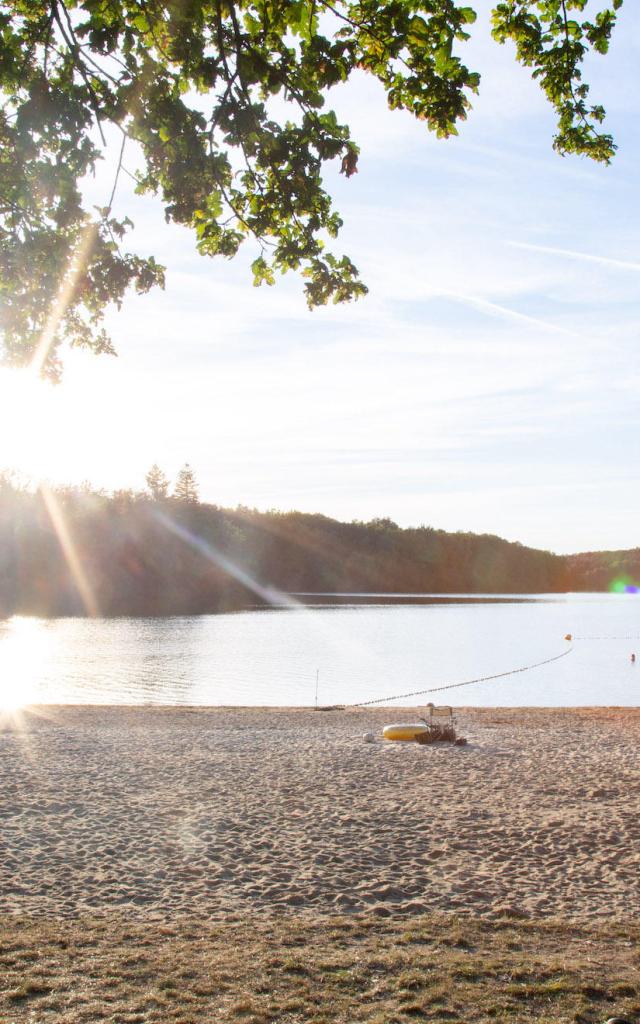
(26, 414)
(66, 541)
(60, 433)
(24, 647)
(76, 266)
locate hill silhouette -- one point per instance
(76, 551)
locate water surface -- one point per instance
(361, 651)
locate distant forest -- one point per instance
(77, 551)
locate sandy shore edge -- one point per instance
(159, 811)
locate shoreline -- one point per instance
(156, 811)
(43, 710)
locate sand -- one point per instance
(215, 812)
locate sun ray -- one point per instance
(77, 264)
(270, 595)
(69, 551)
(340, 637)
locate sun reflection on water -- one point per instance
(24, 647)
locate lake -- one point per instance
(361, 651)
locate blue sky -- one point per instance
(489, 382)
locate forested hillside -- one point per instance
(77, 551)
(605, 570)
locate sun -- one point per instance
(89, 427)
(26, 421)
(47, 430)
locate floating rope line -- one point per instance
(467, 682)
(629, 637)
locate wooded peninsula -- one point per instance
(78, 551)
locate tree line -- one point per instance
(77, 550)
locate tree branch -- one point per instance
(78, 63)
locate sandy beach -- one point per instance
(217, 812)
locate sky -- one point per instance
(489, 381)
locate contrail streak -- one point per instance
(494, 309)
(573, 255)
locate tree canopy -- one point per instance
(221, 106)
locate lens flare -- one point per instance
(270, 595)
(69, 550)
(624, 585)
(77, 264)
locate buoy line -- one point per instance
(629, 637)
(467, 682)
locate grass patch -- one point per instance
(317, 970)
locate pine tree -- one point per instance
(186, 486)
(157, 483)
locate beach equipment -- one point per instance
(404, 731)
(441, 725)
(444, 714)
(438, 726)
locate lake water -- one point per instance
(362, 652)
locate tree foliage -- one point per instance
(221, 107)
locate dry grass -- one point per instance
(318, 970)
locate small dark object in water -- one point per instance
(460, 742)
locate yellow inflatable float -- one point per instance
(404, 731)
